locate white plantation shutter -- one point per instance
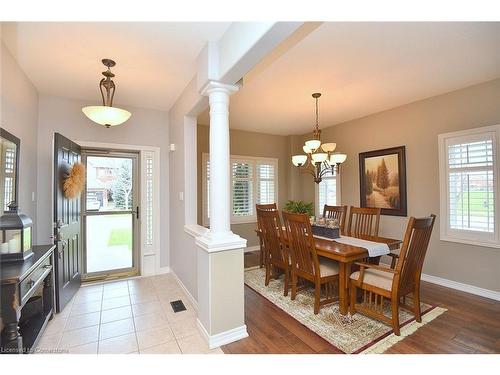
(266, 189)
(470, 176)
(206, 189)
(253, 180)
(243, 185)
(470, 186)
(327, 193)
(149, 200)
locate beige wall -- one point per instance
(249, 144)
(19, 116)
(146, 127)
(417, 126)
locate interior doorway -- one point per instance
(110, 214)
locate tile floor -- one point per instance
(130, 316)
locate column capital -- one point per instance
(215, 86)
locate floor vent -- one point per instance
(177, 306)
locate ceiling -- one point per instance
(363, 68)
(155, 61)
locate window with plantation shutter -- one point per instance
(266, 192)
(469, 184)
(149, 200)
(206, 189)
(242, 192)
(253, 181)
(327, 192)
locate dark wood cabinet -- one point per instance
(27, 300)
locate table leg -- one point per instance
(345, 273)
(11, 341)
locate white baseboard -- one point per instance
(192, 300)
(222, 338)
(251, 248)
(162, 270)
(463, 287)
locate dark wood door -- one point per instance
(67, 228)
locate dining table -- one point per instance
(346, 255)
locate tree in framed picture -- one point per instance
(382, 177)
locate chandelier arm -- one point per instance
(325, 171)
(107, 90)
(308, 171)
(101, 85)
(112, 90)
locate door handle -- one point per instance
(137, 212)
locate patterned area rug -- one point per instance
(356, 334)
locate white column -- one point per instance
(221, 303)
(220, 167)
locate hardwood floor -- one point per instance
(471, 325)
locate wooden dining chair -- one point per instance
(378, 283)
(336, 212)
(305, 263)
(272, 236)
(363, 221)
(262, 250)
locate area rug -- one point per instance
(350, 334)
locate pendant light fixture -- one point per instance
(318, 159)
(106, 114)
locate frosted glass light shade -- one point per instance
(107, 116)
(328, 147)
(313, 144)
(320, 157)
(338, 158)
(299, 160)
(306, 149)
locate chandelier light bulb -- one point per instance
(328, 147)
(313, 144)
(299, 160)
(338, 158)
(320, 157)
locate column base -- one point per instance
(223, 338)
(213, 242)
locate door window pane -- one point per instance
(109, 184)
(109, 242)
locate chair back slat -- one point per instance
(301, 243)
(412, 254)
(264, 207)
(336, 212)
(272, 235)
(363, 221)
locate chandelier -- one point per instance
(106, 114)
(319, 159)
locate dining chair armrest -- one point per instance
(375, 266)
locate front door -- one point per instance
(67, 236)
(110, 214)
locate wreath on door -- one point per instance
(75, 181)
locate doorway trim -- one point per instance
(136, 208)
(149, 255)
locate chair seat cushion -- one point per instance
(328, 267)
(377, 278)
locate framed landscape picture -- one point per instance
(382, 177)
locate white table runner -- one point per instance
(375, 249)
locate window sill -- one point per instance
(244, 221)
(471, 242)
